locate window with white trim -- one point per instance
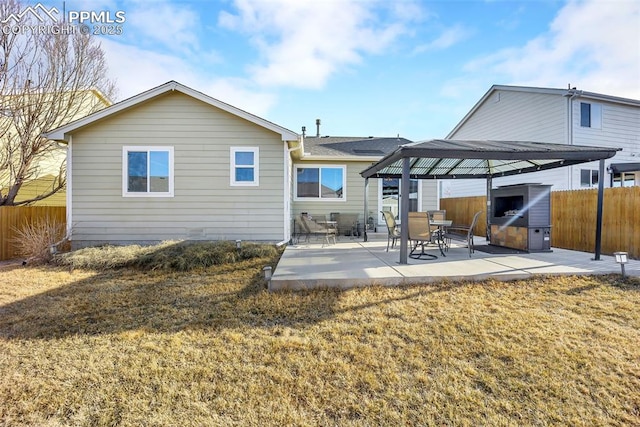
(590, 115)
(147, 171)
(320, 183)
(623, 179)
(245, 166)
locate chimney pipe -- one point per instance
(318, 128)
(304, 131)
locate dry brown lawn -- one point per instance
(212, 347)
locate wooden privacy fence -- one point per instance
(16, 217)
(573, 218)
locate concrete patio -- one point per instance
(352, 262)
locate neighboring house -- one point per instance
(35, 187)
(174, 163)
(562, 116)
(46, 171)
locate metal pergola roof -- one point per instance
(448, 158)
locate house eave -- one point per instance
(62, 133)
(341, 158)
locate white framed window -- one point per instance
(589, 177)
(623, 179)
(245, 166)
(590, 115)
(147, 171)
(320, 182)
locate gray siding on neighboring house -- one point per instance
(620, 128)
(514, 115)
(204, 205)
(429, 194)
(520, 116)
(544, 117)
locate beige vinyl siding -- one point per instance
(354, 189)
(355, 194)
(205, 206)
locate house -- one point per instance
(343, 158)
(174, 163)
(47, 168)
(33, 188)
(561, 116)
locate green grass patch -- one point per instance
(169, 256)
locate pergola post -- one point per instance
(599, 211)
(488, 207)
(404, 210)
(366, 207)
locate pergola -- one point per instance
(449, 159)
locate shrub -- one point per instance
(34, 240)
(170, 255)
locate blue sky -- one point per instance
(372, 67)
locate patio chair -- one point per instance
(462, 233)
(347, 224)
(437, 215)
(392, 228)
(318, 228)
(420, 234)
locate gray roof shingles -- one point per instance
(341, 146)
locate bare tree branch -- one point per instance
(46, 81)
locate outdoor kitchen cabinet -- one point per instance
(521, 217)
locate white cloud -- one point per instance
(241, 94)
(174, 26)
(303, 43)
(593, 45)
(136, 70)
(448, 38)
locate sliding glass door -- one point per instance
(389, 197)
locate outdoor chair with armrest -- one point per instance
(318, 228)
(462, 233)
(347, 224)
(438, 215)
(420, 233)
(392, 228)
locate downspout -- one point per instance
(287, 196)
(573, 94)
(69, 197)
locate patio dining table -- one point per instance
(442, 224)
